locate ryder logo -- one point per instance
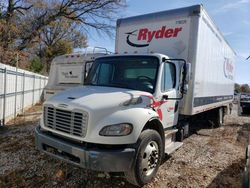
(147, 35)
(228, 68)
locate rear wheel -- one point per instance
(218, 117)
(243, 110)
(183, 132)
(180, 135)
(246, 174)
(148, 158)
(246, 180)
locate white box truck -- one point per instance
(70, 70)
(171, 67)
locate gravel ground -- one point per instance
(208, 158)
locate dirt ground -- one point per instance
(208, 158)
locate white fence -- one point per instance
(19, 89)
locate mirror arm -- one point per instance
(165, 97)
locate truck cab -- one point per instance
(128, 109)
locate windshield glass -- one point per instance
(132, 72)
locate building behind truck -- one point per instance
(171, 67)
(70, 70)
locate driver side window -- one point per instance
(169, 77)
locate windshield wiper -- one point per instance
(89, 84)
(121, 85)
(118, 84)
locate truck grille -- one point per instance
(73, 123)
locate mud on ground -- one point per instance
(208, 158)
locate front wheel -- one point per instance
(148, 158)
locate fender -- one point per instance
(138, 117)
(156, 124)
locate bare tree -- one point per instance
(96, 14)
(25, 19)
(244, 88)
(28, 25)
(58, 35)
(8, 26)
(9, 8)
(62, 29)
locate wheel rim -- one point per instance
(150, 158)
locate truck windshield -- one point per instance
(132, 72)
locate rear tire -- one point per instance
(149, 150)
(245, 181)
(218, 117)
(180, 135)
(243, 111)
(246, 174)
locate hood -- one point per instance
(94, 98)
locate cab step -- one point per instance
(170, 132)
(173, 146)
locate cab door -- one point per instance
(168, 110)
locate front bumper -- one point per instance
(117, 160)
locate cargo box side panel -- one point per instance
(69, 70)
(165, 32)
(215, 65)
(169, 37)
(70, 74)
(62, 73)
(186, 104)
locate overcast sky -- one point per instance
(231, 16)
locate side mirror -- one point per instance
(188, 72)
(186, 77)
(185, 74)
(87, 68)
(185, 89)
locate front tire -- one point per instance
(148, 158)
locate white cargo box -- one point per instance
(187, 33)
(68, 71)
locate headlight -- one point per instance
(122, 129)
